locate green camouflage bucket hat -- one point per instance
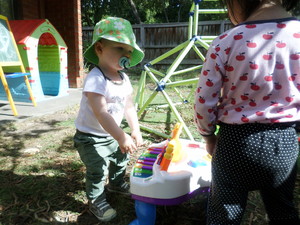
(118, 30)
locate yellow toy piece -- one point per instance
(207, 157)
(173, 152)
(178, 154)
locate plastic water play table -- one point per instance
(151, 186)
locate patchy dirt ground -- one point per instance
(42, 180)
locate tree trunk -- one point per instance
(135, 12)
(166, 15)
(165, 12)
(179, 13)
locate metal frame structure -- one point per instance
(165, 79)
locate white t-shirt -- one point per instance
(115, 94)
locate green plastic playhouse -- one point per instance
(44, 55)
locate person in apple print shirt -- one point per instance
(250, 86)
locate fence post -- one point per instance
(143, 35)
(222, 27)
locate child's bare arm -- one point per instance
(99, 106)
(132, 119)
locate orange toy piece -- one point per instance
(167, 157)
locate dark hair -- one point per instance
(249, 6)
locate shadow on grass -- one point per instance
(51, 193)
(32, 199)
(40, 199)
(48, 188)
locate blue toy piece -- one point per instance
(145, 212)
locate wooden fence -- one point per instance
(156, 39)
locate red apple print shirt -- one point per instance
(251, 74)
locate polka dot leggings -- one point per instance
(254, 157)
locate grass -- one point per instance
(159, 116)
(42, 177)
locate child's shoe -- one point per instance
(124, 188)
(102, 210)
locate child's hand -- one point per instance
(137, 137)
(211, 142)
(126, 144)
(210, 148)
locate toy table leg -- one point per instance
(145, 212)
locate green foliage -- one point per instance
(296, 12)
(154, 11)
(6, 9)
